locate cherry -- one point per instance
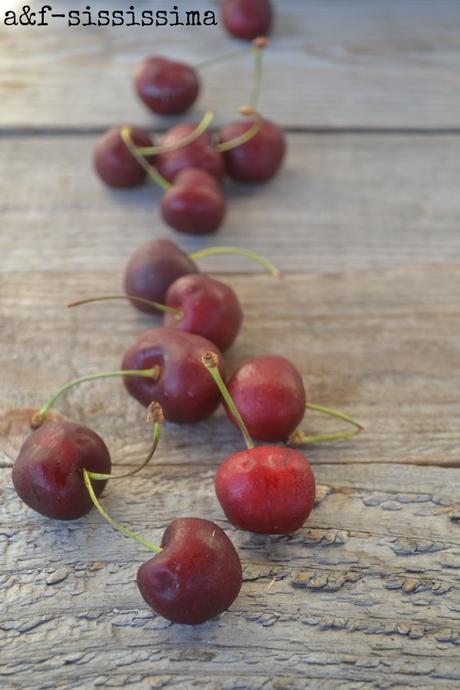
(195, 203)
(258, 159)
(152, 269)
(198, 154)
(196, 576)
(270, 396)
(269, 489)
(182, 387)
(158, 263)
(165, 86)
(247, 18)
(114, 162)
(47, 474)
(210, 309)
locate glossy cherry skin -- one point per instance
(165, 86)
(184, 389)
(199, 154)
(113, 161)
(197, 575)
(152, 269)
(247, 19)
(270, 396)
(260, 158)
(47, 474)
(268, 489)
(210, 309)
(195, 203)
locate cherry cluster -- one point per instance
(190, 163)
(63, 467)
(177, 371)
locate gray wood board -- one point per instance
(386, 64)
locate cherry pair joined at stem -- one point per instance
(194, 302)
(170, 87)
(61, 470)
(268, 489)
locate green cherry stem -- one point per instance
(211, 362)
(150, 169)
(247, 111)
(224, 57)
(178, 313)
(116, 525)
(258, 46)
(155, 416)
(189, 139)
(258, 258)
(40, 416)
(299, 437)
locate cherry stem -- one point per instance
(189, 139)
(257, 45)
(155, 416)
(116, 525)
(150, 169)
(40, 416)
(248, 111)
(224, 57)
(161, 307)
(299, 437)
(211, 362)
(211, 251)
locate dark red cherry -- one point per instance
(152, 269)
(165, 86)
(199, 154)
(184, 388)
(258, 159)
(196, 576)
(269, 489)
(247, 18)
(47, 474)
(211, 309)
(269, 393)
(195, 203)
(113, 161)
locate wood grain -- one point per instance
(341, 202)
(331, 64)
(365, 227)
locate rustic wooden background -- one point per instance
(364, 222)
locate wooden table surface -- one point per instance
(364, 222)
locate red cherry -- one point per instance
(196, 576)
(199, 154)
(165, 86)
(184, 389)
(247, 19)
(269, 489)
(113, 161)
(47, 474)
(152, 269)
(258, 159)
(195, 203)
(211, 309)
(269, 393)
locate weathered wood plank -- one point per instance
(381, 344)
(341, 201)
(334, 64)
(395, 598)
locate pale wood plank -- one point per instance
(341, 605)
(341, 201)
(382, 345)
(332, 64)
